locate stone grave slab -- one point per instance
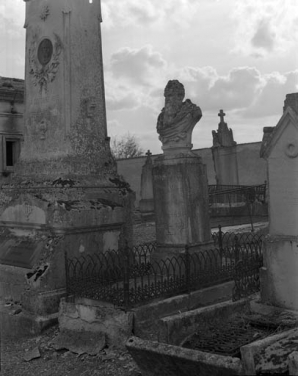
(19, 253)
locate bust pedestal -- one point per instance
(181, 205)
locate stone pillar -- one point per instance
(179, 179)
(224, 152)
(181, 204)
(279, 277)
(147, 201)
(66, 194)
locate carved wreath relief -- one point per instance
(44, 60)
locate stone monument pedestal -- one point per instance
(181, 205)
(42, 224)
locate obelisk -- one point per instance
(65, 194)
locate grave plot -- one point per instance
(226, 337)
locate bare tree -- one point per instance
(127, 146)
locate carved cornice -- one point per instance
(66, 7)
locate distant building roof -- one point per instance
(12, 89)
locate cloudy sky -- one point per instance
(236, 55)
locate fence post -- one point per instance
(220, 245)
(265, 190)
(126, 276)
(187, 268)
(219, 237)
(237, 249)
(66, 274)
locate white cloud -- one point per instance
(271, 98)
(120, 96)
(212, 91)
(12, 16)
(264, 37)
(236, 90)
(268, 26)
(122, 13)
(133, 78)
(137, 77)
(137, 65)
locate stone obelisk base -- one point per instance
(42, 225)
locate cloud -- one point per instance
(137, 77)
(212, 91)
(264, 37)
(263, 27)
(271, 98)
(114, 127)
(136, 65)
(122, 13)
(133, 78)
(236, 90)
(127, 102)
(120, 96)
(12, 16)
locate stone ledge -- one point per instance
(155, 358)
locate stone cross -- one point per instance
(148, 159)
(222, 116)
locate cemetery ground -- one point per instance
(16, 359)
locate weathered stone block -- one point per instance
(94, 316)
(181, 204)
(156, 359)
(279, 279)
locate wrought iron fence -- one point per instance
(129, 276)
(232, 195)
(248, 239)
(247, 276)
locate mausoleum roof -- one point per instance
(273, 134)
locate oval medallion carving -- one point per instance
(291, 149)
(45, 51)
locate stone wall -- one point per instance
(251, 168)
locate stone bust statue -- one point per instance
(177, 119)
